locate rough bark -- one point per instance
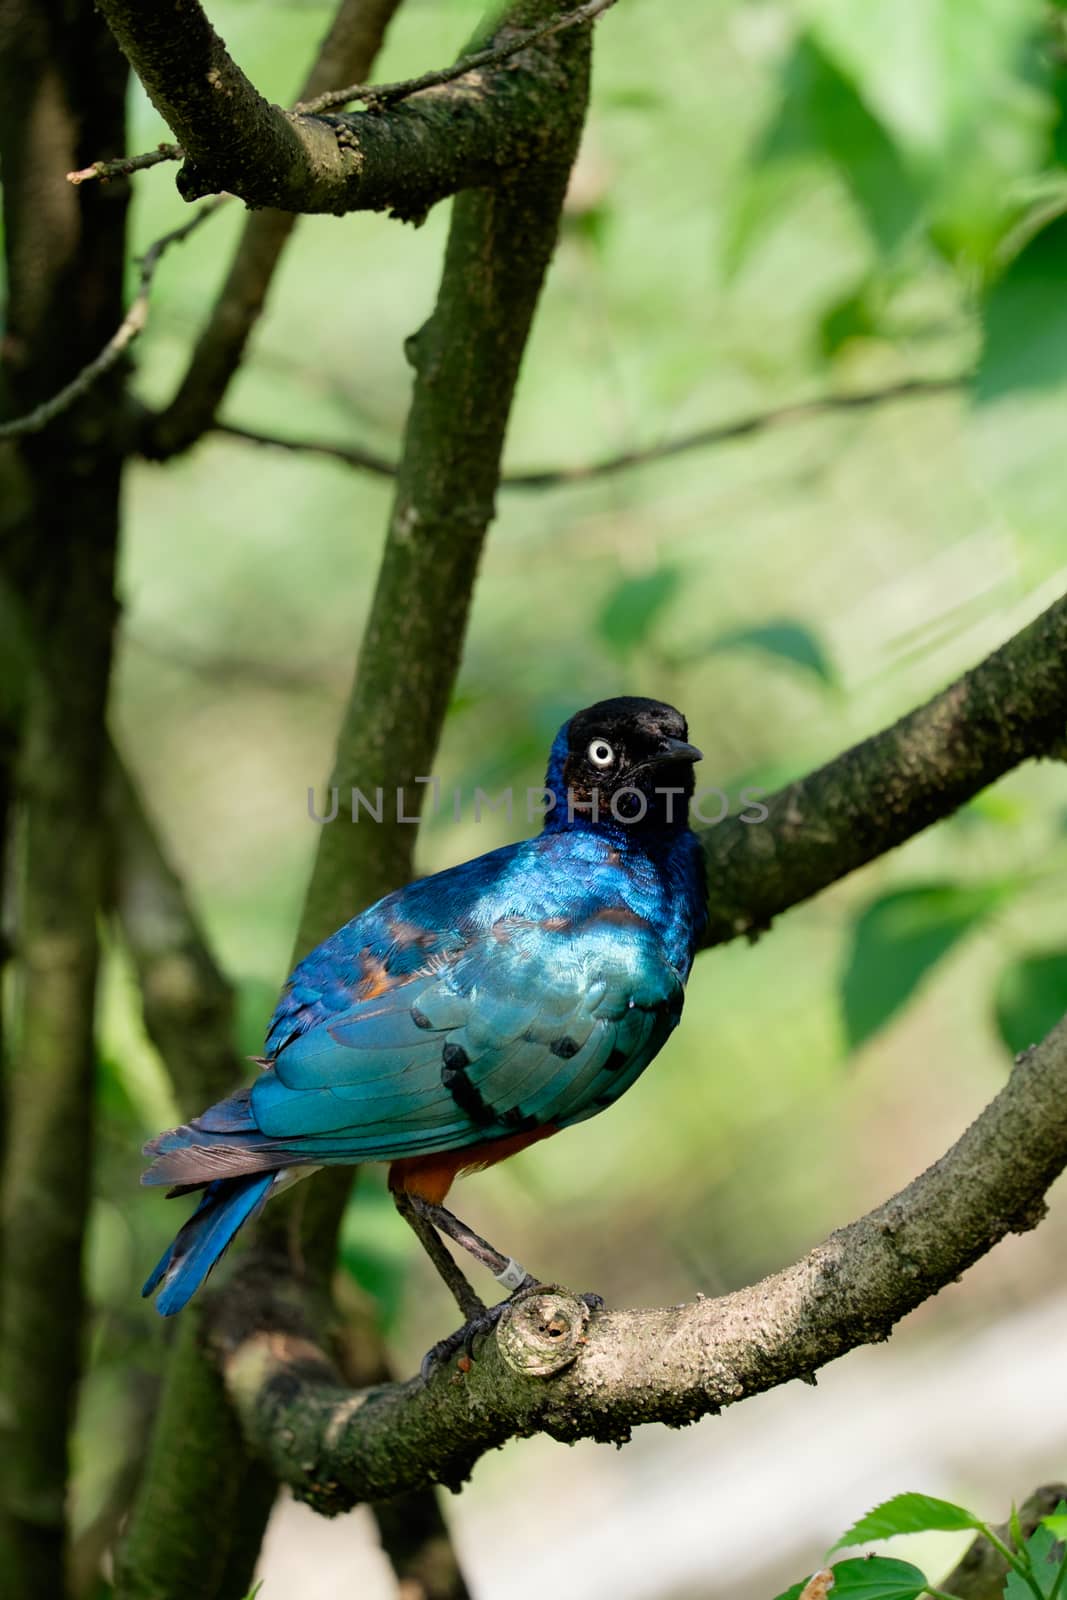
(466, 134)
(1010, 708)
(62, 99)
(551, 1367)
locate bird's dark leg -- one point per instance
(470, 1304)
(505, 1270)
(427, 1219)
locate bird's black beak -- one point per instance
(674, 750)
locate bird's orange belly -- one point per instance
(431, 1176)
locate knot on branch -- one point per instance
(543, 1334)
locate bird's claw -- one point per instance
(440, 1354)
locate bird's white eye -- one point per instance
(600, 753)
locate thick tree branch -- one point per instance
(466, 360)
(465, 135)
(348, 50)
(551, 1368)
(1008, 709)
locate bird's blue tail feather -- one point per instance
(226, 1206)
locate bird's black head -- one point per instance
(624, 762)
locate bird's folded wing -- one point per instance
(522, 1025)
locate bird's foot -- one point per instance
(440, 1354)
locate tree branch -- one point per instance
(350, 47)
(132, 324)
(464, 135)
(126, 166)
(62, 94)
(563, 477)
(388, 94)
(552, 1368)
(1008, 709)
(466, 360)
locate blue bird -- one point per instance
(472, 1013)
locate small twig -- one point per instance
(351, 455)
(378, 95)
(132, 324)
(123, 166)
(558, 477)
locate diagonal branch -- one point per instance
(403, 160)
(550, 1369)
(1008, 709)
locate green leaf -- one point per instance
(1044, 1549)
(854, 316)
(632, 608)
(897, 939)
(1056, 1523)
(1031, 998)
(1020, 392)
(962, 88)
(909, 1513)
(870, 1578)
(821, 117)
(785, 640)
(930, 70)
(877, 1578)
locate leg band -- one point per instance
(513, 1276)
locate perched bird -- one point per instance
(472, 1013)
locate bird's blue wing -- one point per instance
(412, 1042)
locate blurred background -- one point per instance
(776, 201)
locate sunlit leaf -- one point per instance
(897, 940)
(821, 116)
(908, 1513)
(633, 607)
(1056, 1523)
(930, 70)
(870, 1578)
(877, 1578)
(1031, 998)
